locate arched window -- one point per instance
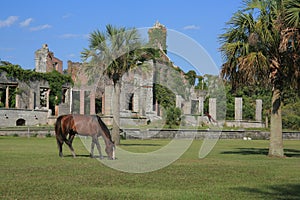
(20, 122)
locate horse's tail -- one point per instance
(58, 130)
(104, 127)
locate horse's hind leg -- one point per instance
(69, 143)
(60, 144)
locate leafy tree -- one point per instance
(261, 47)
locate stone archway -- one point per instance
(20, 122)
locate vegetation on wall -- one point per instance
(157, 36)
(191, 77)
(54, 78)
(164, 96)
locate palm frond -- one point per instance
(292, 12)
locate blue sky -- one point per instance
(65, 25)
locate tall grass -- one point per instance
(235, 169)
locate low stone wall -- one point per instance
(200, 134)
(9, 117)
(128, 121)
(161, 134)
(244, 124)
(29, 132)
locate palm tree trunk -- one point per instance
(116, 113)
(276, 142)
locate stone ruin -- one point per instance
(45, 61)
(137, 103)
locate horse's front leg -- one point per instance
(95, 141)
(92, 148)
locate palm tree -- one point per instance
(113, 53)
(261, 46)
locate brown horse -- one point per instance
(85, 125)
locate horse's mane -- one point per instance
(105, 129)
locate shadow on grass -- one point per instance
(145, 145)
(86, 156)
(78, 155)
(292, 153)
(278, 192)
(262, 151)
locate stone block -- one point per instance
(238, 108)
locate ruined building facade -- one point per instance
(137, 98)
(26, 102)
(45, 61)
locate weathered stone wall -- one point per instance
(9, 117)
(245, 124)
(125, 121)
(168, 134)
(200, 134)
(28, 93)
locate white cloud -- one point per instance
(86, 36)
(191, 27)
(72, 55)
(9, 21)
(26, 22)
(73, 36)
(69, 36)
(7, 49)
(39, 28)
(66, 15)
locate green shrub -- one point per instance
(48, 135)
(291, 116)
(173, 116)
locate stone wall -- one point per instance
(10, 117)
(200, 134)
(245, 124)
(126, 121)
(161, 134)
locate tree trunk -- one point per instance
(116, 114)
(276, 142)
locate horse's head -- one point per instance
(110, 150)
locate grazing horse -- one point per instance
(85, 125)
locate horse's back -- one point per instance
(86, 124)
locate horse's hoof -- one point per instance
(101, 157)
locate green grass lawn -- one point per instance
(235, 169)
